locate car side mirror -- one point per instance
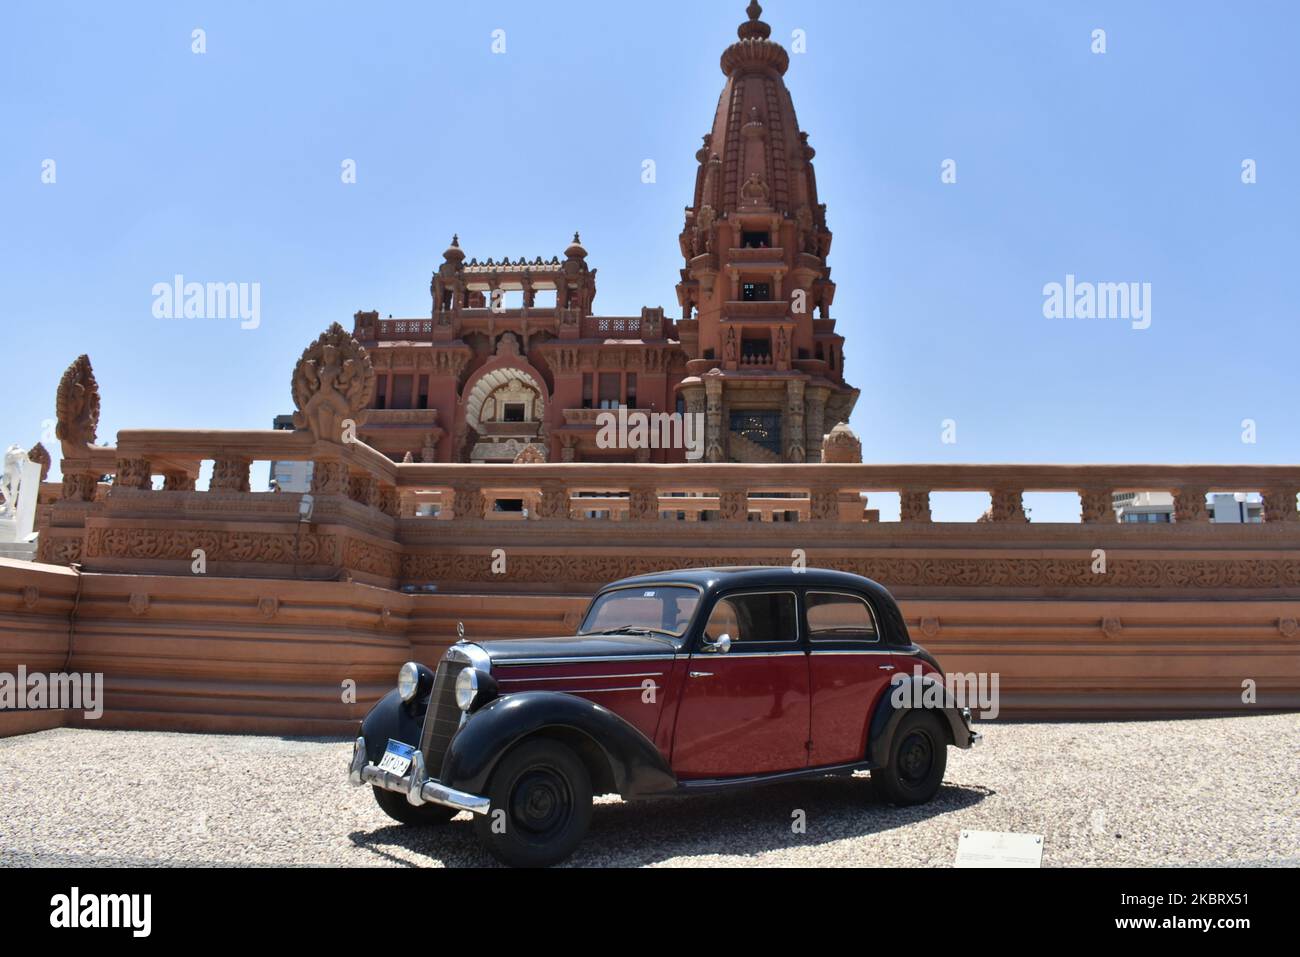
(719, 647)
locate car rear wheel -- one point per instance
(397, 807)
(918, 756)
(540, 797)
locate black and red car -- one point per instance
(675, 682)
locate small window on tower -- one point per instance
(586, 390)
(753, 240)
(631, 390)
(514, 412)
(756, 292)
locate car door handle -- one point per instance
(886, 667)
(701, 674)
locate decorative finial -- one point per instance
(453, 253)
(754, 28)
(575, 249)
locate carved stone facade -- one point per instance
(512, 354)
(77, 407)
(332, 385)
(1137, 575)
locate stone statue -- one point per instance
(19, 486)
(77, 406)
(333, 381)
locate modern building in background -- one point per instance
(1157, 507)
(290, 476)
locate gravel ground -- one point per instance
(1203, 792)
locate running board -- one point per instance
(719, 784)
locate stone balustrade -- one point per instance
(577, 525)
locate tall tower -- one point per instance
(765, 364)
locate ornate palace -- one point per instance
(484, 379)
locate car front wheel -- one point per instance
(540, 797)
(918, 756)
(399, 808)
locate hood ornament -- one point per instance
(460, 630)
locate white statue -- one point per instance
(20, 486)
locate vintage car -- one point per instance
(676, 682)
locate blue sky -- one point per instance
(1117, 167)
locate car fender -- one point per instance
(636, 765)
(392, 718)
(895, 704)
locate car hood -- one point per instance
(518, 650)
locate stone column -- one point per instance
(468, 502)
(643, 504)
(793, 425)
(914, 505)
(1007, 505)
(1189, 505)
(1280, 505)
(824, 504)
(175, 481)
(1097, 506)
(230, 474)
(79, 486)
(715, 449)
(554, 501)
(814, 423)
(134, 473)
(329, 478)
(733, 505)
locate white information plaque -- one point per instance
(999, 849)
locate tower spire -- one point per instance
(754, 28)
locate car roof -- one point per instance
(726, 577)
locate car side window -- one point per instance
(838, 617)
(754, 618)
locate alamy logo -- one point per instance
(179, 299)
(977, 691)
(1100, 300)
(60, 691)
(134, 911)
(635, 429)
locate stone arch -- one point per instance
(490, 379)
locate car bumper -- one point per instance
(974, 739)
(418, 787)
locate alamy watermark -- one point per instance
(57, 691)
(975, 690)
(1100, 300)
(179, 299)
(634, 429)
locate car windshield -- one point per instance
(644, 609)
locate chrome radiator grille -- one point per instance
(443, 717)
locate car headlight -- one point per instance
(466, 689)
(408, 680)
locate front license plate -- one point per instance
(397, 758)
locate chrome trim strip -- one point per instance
(854, 651)
(749, 654)
(643, 674)
(520, 662)
(598, 690)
